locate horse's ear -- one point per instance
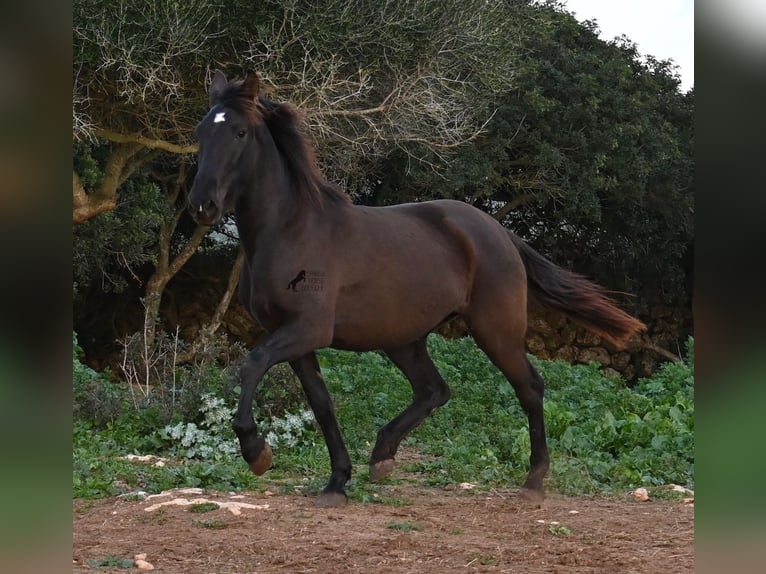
(216, 87)
(251, 86)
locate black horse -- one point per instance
(381, 278)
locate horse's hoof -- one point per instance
(381, 469)
(532, 496)
(332, 500)
(262, 462)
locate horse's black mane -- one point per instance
(283, 121)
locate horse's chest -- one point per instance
(258, 297)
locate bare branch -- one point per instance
(145, 141)
(220, 310)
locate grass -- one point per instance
(211, 523)
(404, 526)
(604, 436)
(559, 530)
(111, 562)
(203, 507)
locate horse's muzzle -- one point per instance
(206, 213)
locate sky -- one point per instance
(660, 28)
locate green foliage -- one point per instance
(211, 523)
(558, 530)
(213, 439)
(111, 562)
(603, 435)
(173, 394)
(107, 250)
(593, 149)
(203, 507)
(95, 397)
(404, 526)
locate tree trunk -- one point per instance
(166, 269)
(119, 166)
(223, 305)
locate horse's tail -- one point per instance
(576, 297)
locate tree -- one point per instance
(583, 147)
(370, 76)
(589, 157)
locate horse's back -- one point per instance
(480, 237)
(408, 267)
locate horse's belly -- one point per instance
(391, 319)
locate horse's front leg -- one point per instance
(285, 344)
(307, 369)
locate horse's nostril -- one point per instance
(203, 207)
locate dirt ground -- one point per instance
(415, 529)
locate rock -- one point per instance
(552, 342)
(565, 353)
(535, 344)
(641, 494)
(568, 334)
(587, 338)
(610, 372)
(620, 360)
(540, 326)
(139, 560)
(555, 319)
(598, 354)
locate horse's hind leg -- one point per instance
(429, 391)
(307, 369)
(503, 342)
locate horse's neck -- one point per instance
(267, 207)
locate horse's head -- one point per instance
(223, 135)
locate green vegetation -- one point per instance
(212, 523)
(558, 530)
(404, 526)
(604, 437)
(204, 507)
(111, 562)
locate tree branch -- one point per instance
(500, 214)
(86, 205)
(231, 287)
(79, 196)
(223, 305)
(188, 250)
(145, 141)
(646, 343)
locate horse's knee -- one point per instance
(435, 396)
(242, 427)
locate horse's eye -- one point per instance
(241, 133)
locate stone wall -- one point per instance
(551, 335)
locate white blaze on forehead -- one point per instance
(219, 117)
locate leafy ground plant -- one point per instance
(604, 436)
